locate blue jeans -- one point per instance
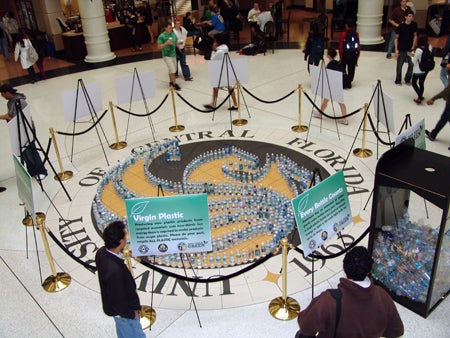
(390, 48)
(181, 56)
(444, 119)
(444, 76)
(4, 47)
(128, 328)
(33, 160)
(402, 57)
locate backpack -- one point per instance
(426, 63)
(351, 42)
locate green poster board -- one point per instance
(169, 225)
(24, 186)
(322, 211)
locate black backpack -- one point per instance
(426, 63)
(351, 42)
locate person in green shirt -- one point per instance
(167, 42)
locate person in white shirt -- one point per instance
(219, 50)
(253, 13)
(181, 34)
(263, 18)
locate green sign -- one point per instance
(322, 211)
(24, 186)
(168, 225)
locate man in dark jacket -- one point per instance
(118, 288)
(366, 309)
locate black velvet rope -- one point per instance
(329, 116)
(266, 101)
(63, 248)
(372, 125)
(85, 131)
(206, 110)
(46, 151)
(359, 239)
(146, 114)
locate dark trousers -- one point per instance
(181, 57)
(445, 118)
(402, 57)
(349, 63)
(418, 84)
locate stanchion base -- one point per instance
(28, 221)
(299, 128)
(64, 175)
(176, 128)
(148, 316)
(240, 122)
(57, 283)
(362, 152)
(284, 310)
(118, 145)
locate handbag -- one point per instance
(32, 55)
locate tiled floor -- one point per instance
(27, 310)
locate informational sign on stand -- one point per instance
(416, 132)
(321, 212)
(24, 185)
(169, 225)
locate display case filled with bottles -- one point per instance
(410, 231)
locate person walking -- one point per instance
(349, 51)
(167, 42)
(419, 74)
(445, 116)
(315, 44)
(405, 42)
(28, 151)
(130, 25)
(4, 41)
(445, 61)
(182, 34)
(23, 45)
(11, 27)
(117, 286)
(366, 310)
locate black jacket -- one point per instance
(117, 285)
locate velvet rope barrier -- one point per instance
(356, 111)
(266, 101)
(372, 125)
(85, 131)
(207, 111)
(147, 114)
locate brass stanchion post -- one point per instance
(57, 281)
(284, 308)
(239, 121)
(299, 128)
(118, 144)
(63, 174)
(147, 313)
(176, 127)
(363, 152)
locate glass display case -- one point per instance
(410, 237)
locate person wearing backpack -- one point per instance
(349, 50)
(315, 45)
(422, 65)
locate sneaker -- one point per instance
(41, 177)
(317, 115)
(389, 56)
(418, 101)
(208, 106)
(398, 83)
(175, 86)
(430, 137)
(233, 108)
(343, 121)
(190, 78)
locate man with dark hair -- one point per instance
(118, 288)
(397, 17)
(405, 42)
(366, 309)
(349, 50)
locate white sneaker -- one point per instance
(316, 114)
(343, 121)
(41, 176)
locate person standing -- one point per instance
(405, 42)
(117, 286)
(23, 45)
(40, 43)
(315, 45)
(333, 64)
(167, 42)
(11, 27)
(130, 25)
(445, 61)
(181, 34)
(419, 75)
(4, 41)
(220, 49)
(28, 150)
(349, 50)
(148, 19)
(277, 12)
(367, 310)
(397, 17)
(445, 116)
